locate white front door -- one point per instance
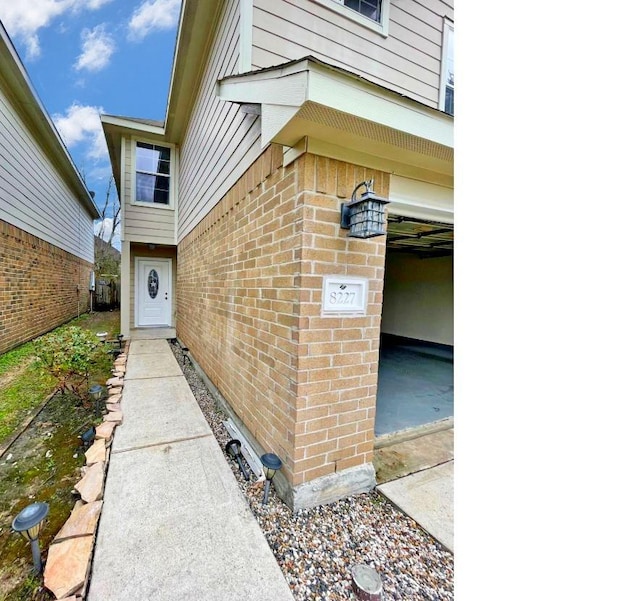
(153, 292)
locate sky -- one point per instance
(88, 57)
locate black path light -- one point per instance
(96, 392)
(88, 436)
(271, 464)
(364, 215)
(233, 448)
(185, 354)
(28, 523)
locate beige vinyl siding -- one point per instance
(142, 223)
(407, 61)
(221, 142)
(33, 195)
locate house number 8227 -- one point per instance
(342, 298)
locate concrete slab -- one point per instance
(158, 411)
(152, 333)
(427, 497)
(161, 364)
(176, 526)
(408, 456)
(145, 347)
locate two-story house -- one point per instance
(46, 214)
(231, 215)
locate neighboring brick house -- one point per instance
(46, 214)
(277, 110)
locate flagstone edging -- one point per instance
(68, 564)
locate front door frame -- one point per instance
(138, 296)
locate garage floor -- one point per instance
(415, 384)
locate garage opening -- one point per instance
(415, 373)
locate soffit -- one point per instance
(310, 98)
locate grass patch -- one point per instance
(24, 393)
(15, 357)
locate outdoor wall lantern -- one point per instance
(233, 449)
(364, 215)
(271, 464)
(28, 523)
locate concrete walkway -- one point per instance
(174, 523)
(416, 475)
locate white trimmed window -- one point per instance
(446, 69)
(153, 173)
(373, 14)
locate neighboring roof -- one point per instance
(16, 79)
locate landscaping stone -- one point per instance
(105, 430)
(91, 485)
(115, 391)
(82, 521)
(96, 452)
(115, 382)
(114, 416)
(67, 566)
(114, 407)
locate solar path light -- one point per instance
(96, 392)
(233, 448)
(271, 464)
(28, 523)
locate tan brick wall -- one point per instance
(249, 291)
(41, 286)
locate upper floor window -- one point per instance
(369, 8)
(446, 76)
(153, 173)
(373, 14)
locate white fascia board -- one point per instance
(296, 83)
(124, 123)
(363, 100)
(420, 199)
(279, 89)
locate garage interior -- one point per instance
(415, 373)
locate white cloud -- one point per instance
(102, 229)
(97, 48)
(24, 18)
(82, 124)
(153, 15)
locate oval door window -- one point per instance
(153, 283)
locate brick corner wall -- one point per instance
(249, 300)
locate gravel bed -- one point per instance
(316, 548)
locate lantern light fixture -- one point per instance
(29, 523)
(271, 464)
(364, 215)
(233, 448)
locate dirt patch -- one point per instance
(10, 375)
